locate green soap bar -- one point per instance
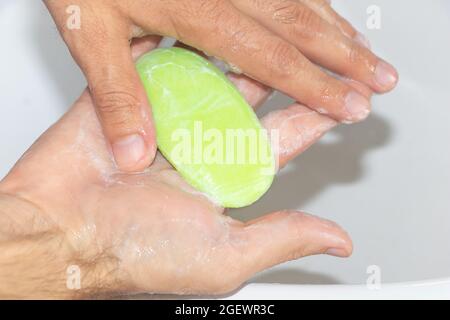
(205, 128)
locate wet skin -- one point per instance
(281, 43)
(147, 231)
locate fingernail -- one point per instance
(357, 106)
(336, 252)
(362, 40)
(128, 151)
(385, 75)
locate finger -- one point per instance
(257, 93)
(284, 236)
(323, 9)
(321, 42)
(121, 104)
(254, 92)
(297, 128)
(269, 59)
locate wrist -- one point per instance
(37, 260)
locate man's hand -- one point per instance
(65, 203)
(281, 43)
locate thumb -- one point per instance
(290, 235)
(121, 104)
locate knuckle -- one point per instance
(359, 54)
(307, 17)
(354, 53)
(360, 59)
(330, 90)
(305, 21)
(308, 22)
(286, 12)
(209, 9)
(325, 91)
(283, 58)
(201, 16)
(237, 37)
(116, 105)
(346, 27)
(299, 223)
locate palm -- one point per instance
(154, 221)
(158, 224)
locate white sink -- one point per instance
(387, 180)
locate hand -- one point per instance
(278, 42)
(65, 203)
